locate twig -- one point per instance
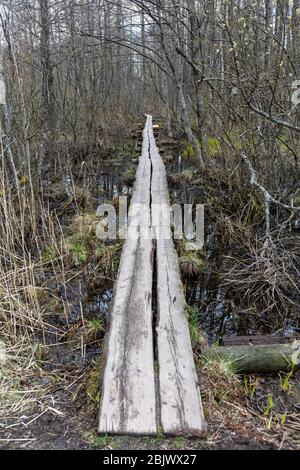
(268, 199)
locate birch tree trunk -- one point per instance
(296, 44)
(269, 31)
(6, 134)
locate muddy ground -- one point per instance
(68, 420)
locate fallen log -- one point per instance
(249, 359)
(256, 340)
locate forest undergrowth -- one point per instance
(57, 278)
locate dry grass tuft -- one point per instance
(191, 262)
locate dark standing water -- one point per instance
(218, 316)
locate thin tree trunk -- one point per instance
(6, 133)
(143, 39)
(186, 120)
(47, 67)
(268, 41)
(198, 82)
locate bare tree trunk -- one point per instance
(47, 67)
(143, 39)
(296, 45)
(198, 81)
(177, 71)
(269, 31)
(6, 139)
(296, 36)
(186, 120)
(6, 132)
(168, 108)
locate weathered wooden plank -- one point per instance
(128, 403)
(180, 400)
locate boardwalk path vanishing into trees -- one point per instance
(149, 381)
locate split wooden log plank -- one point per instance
(181, 411)
(128, 402)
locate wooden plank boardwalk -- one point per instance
(133, 400)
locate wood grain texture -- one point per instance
(181, 411)
(128, 400)
(128, 404)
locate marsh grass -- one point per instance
(191, 262)
(197, 337)
(47, 239)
